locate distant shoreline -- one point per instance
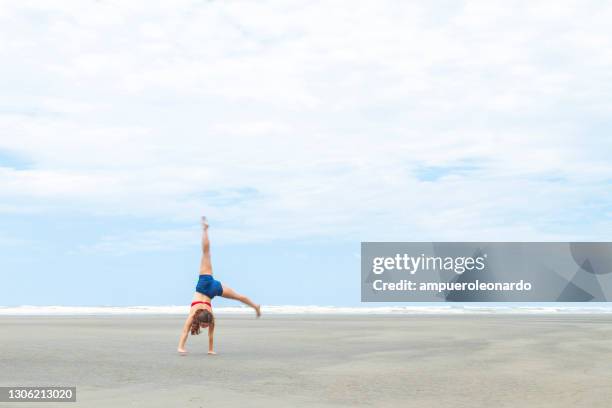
(443, 309)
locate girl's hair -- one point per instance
(201, 316)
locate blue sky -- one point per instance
(300, 128)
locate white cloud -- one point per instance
(144, 241)
(325, 112)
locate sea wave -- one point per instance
(301, 310)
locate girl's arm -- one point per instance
(211, 332)
(185, 334)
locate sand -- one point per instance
(323, 361)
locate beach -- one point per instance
(316, 360)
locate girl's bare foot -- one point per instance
(212, 353)
(182, 352)
(258, 310)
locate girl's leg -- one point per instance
(205, 264)
(230, 293)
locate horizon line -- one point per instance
(443, 309)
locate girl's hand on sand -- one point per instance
(212, 353)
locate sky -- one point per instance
(300, 128)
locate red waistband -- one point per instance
(199, 301)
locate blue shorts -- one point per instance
(209, 286)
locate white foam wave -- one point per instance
(301, 310)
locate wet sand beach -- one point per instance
(316, 360)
